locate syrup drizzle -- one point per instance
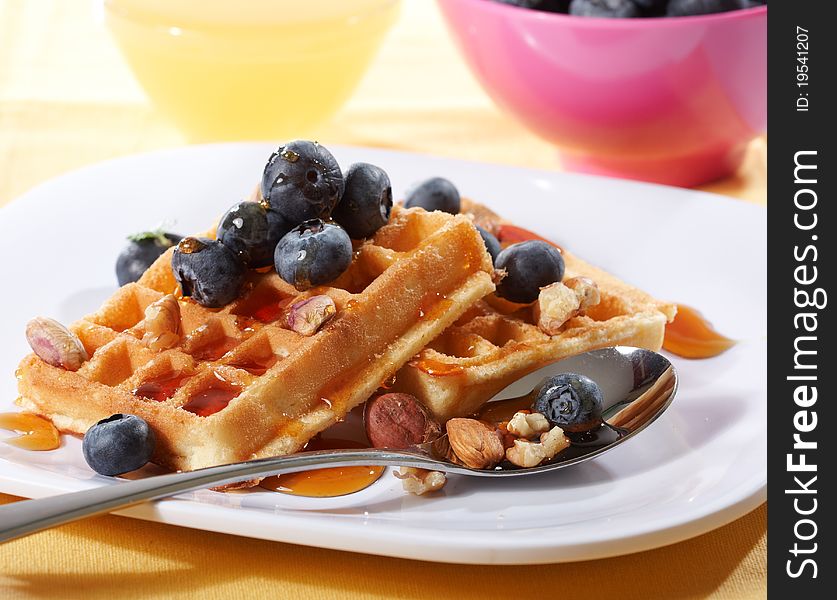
(692, 336)
(216, 349)
(325, 483)
(35, 433)
(212, 399)
(161, 388)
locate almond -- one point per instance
(476, 444)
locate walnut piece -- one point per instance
(421, 481)
(475, 444)
(527, 425)
(561, 301)
(530, 454)
(162, 324)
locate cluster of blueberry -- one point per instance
(623, 9)
(303, 225)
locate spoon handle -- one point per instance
(29, 516)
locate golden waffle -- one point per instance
(404, 287)
(496, 342)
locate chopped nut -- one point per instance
(586, 290)
(421, 481)
(530, 454)
(162, 324)
(555, 306)
(527, 425)
(398, 420)
(308, 315)
(526, 454)
(475, 443)
(554, 441)
(561, 301)
(55, 344)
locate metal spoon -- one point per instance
(638, 385)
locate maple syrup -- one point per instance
(512, 234)
(216, 349)
(35, 433)
(692, 336)
(212, 399)
(255, 365)
(433, 305)
(161, 388)
(325, 483)
(264, 304)
(190, 245)
(503, 410)
(436, 368)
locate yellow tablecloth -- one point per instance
(67, 100)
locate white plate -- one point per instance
(698, 467)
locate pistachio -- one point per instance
(420, 481)
(308, 315)
(398, 420)
(162, 324)
(55, 344)
(475, 444)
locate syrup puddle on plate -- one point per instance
(326, 483)
(690, 335)
(35, 433)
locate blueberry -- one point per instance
(302, 181)
(118, 444)
(558, 6)
(246, 230)
(315, 253)
(572, 402)
(208, 271)
(143, 249)
(492, 244)
(685, 8)
(652, 8)
(366, 202)
(529, 266)
(436, 193)
(615, 9)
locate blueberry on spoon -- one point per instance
(143, 249)
(572, 402)
(302, 181)
(366, 202)
(315, 253)
(208, 271)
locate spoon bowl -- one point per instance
(637, 386)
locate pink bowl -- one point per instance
(671, 100)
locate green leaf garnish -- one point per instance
(158, 235)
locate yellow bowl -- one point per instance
(262, 69)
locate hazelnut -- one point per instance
(475, 444)
(527, 425)
(398, 420)
(308, 315)
(162, 324)
(586, 290)
(55, 344)
(420, 481)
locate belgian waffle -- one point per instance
(243, 386)
(496, 342)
